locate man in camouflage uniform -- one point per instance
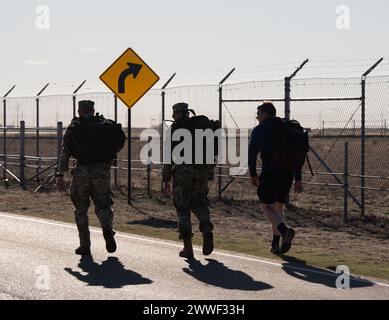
(190, 190)
(90, 180)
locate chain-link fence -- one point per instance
(330, 108)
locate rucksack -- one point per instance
(200, 122)
(291, 145)
(95, 139)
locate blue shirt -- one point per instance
(261, 142)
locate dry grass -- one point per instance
(322, 238)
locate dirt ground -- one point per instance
(331, 149)
(322, 239)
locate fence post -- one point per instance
(74, 106)
(363, 134)
(345, 183)
(74, 97)
(149, 171)
(37, 140)
(287, 111)
(363, 144)
(5, 132)
(163, 93)
(59, 139)
(162, 132)
(37, 132)
(287, 98)
(22, 160)
(219, 169)
(287, 81)
(4, 138)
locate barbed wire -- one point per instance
(343, 60)
(345, 67)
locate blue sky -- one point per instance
(187, 37)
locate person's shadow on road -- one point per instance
(299, 269)
(109, 274)
(217, 274)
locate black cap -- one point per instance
(86, 105)
(181, 106)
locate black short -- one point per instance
(274, 187)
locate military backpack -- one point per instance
(94, 139)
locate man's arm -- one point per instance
(63, 163)
(254, 148)
(167, 168)
(298, 175)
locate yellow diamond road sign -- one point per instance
(129, 77)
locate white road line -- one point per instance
(164, 243)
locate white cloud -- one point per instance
(35, 62)
(90, 49)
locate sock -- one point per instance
(282, 228)
(276, 240)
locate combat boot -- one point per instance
(207, 243)
(83, 250)
(110, 243)
(187, 252)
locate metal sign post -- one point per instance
(129, 77)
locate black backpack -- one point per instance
(291, 145)
(199, 122)
(95, 139)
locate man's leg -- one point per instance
(266, 193)
(279, 227)
(280, 209)
(185, 232)
(79, 194)
(181, 197)
(270, 211)
(199, 206)
(285, 182)
(273, 216)
(275, 245)
(101, 194)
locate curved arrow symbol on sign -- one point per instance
(133, 69)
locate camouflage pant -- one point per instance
(190, 190)
(91, 181)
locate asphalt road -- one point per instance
(37, 262)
